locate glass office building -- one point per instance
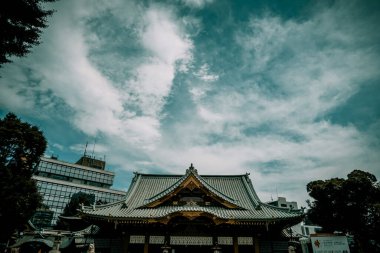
(57, 181)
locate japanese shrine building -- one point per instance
(191, 213)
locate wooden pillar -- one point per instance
(214, 239)
(236, 245)
(125, 242)
(257, 245)
(146, 244)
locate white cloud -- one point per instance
(81, 86)
(170, 51)
(203, 82)
(164, 37)
(196, 3)
(309, 81)
(57, 146)
(152, 84)
(99, 105)
(205, 75)
(298, 71)
(209, 116)
(14, 95)
(95, 148)
(329, 151)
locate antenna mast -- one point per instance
(85, 149)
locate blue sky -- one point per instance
(287, 91)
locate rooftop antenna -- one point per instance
(85, 149)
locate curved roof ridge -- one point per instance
(255, 200)
(132, 188)
(227, 175)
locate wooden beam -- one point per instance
(257, 245)
(125, 242)
(146, 244)
(236, 245)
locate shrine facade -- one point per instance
(191, 213)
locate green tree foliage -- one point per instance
(71, 209)
(21, 23)
(21, 146)
(76, 200)
(349, 205)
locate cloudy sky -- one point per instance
(287, 91)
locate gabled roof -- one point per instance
(235, 193)
(193, 180)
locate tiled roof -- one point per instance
(182, 179)
(237, 189)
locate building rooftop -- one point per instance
(91, 161)
(156, 198)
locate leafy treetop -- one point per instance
(349, 205)
(21, 22)
(21, 146)
(77, 199)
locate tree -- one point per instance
(21, 23)
(76, 201)
(71, 209)
(349, 205)
(21, 146)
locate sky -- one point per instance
(287, 91)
